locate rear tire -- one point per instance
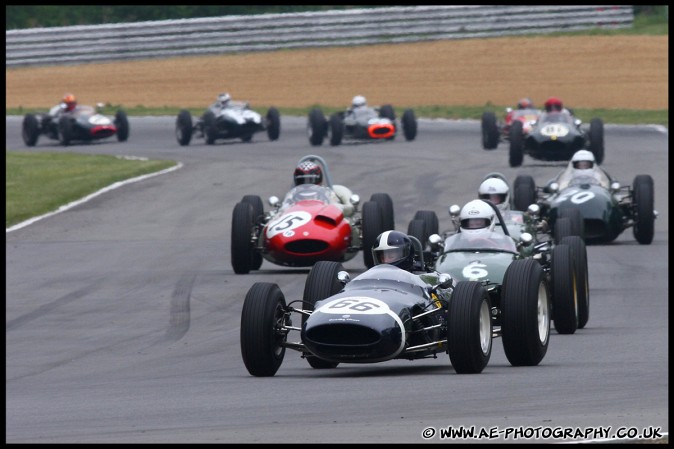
(430, 219)
(122, 124)
(564, 290)
(644, 223)
(316, 127)
(516, 144)
(409, 122)
(386, 207)
(387, 111)
(258, 216)
(524, 192)
(242, 249)
(371, 228)
(336, 129)
(273, 123)
(65, 130)
(579, 253)
(210, 127)
(596, 137)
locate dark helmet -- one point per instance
(395, 248)
(308, 173)
(70, 101)
(525, 103)
(553, 104)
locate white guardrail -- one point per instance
(245, 33)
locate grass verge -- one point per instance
(38, 183)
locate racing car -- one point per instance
(360, 124)
(237, 121)
(605, 207)
(389, 313)
(82, 124)
(495, 131)
(555, 136)
(306, 227)
(561, 273)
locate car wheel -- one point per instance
(564, 291)
(644, 223)
(122, 124)
(30, 130)
(242, 248)
(261, 338)
(409, 122)
(596, 137)
(273, 123)
(210, 127)
(417, 228)
(65, 130)
(321, 283)
(258, 216)
(371, 228)
(489, 131)
(386, 207)
(387, 111)
(469, 328)
(316, 127)
(336, 129)
(579, 253)
(524, 192)
(516, 144)
(184, 127)
(525, 313)
(575, 220)
(430, 219)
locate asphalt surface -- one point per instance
(123, 313)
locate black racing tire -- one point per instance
(65, 130)
(561, 229)
(210, 127)
(387, 111)
(524, 192)
(525, 313)
(30, 130)
(564, 290)
(184, 127)
(321, 283)
(516, 155)
(273, 123)
(262, 347)
(596, 139)
(336, 129)
(575, 219)
(258, 217)
(371, 228)
(579, 253)
(490, 133)
(242, 248)
(316, 127)
(386, 207)
(417, 228)
(122, 124)
(644, 223)
(409, 122)
(430, 219)
(469, 328)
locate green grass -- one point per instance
(38, 183)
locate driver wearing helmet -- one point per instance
(67, 104)
(582, 164)
(525, 103)
(394, 248)
(358, 102)
(496, 191)
(309, 172)
(222, 101)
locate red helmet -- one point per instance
(553, 104)
(308, 173)
(70, 101)
(525, 103)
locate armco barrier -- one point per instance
(216, 35)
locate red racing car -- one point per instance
(309, 225)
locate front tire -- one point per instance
(644, 224)
(184, 127)
(210, 127)
(371, 228)
(579, 253)
(261, 339)
(524, 192)
(65, 130)
(409, 122)
(273, 123)
(564, 290)
(30, 130)
(386, 207)
(596, 138)
(469, 328)
(336, 129)
(258, 216)
(122, 124)
(242, 249)
(489, 131)
(516, 144)
(316, 127)
(525, 313)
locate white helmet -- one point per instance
(358, 101)
(477, 217)
(583, 160)
(224, 98)
(496, 191)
